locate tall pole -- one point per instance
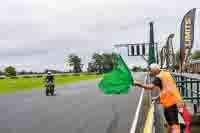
(161, 58)
(151, 46)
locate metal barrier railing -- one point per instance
(155, 119)
(189, 88)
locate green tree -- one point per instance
(196, 55)
(102, 62)
(75, 61)
(108, 61)
(1, 73)
(10, 71)
(97, 62)
(91, 67)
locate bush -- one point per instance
(38, 76)
(76, 74)
(99, 73)
(14, 77)
(2, 77)
(90, 73)
(27, 76)
(64, 75)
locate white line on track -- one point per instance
(134, 124)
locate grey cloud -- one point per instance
(22, 52)
(20, 31)
(40, 28)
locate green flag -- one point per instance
(119, 80)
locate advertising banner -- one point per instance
(187, 35)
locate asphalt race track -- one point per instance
(78, 108)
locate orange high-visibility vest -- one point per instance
(169, 93)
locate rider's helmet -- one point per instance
(49, 73)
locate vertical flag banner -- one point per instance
(187, 35)
(119, 80)
(170, 56)
(163, 56)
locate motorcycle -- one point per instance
(49, 88)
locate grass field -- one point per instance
(9, 85)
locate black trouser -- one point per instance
(171, 114)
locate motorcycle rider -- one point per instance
(50, 78)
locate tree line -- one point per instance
(99, 63)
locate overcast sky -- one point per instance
(38, 34)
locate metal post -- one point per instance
(182, 86)
(161, 59)
(128, 51)
(198, 93)
(186, 87)
(191, 90)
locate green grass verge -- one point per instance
(8, 85)
(146, 100)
